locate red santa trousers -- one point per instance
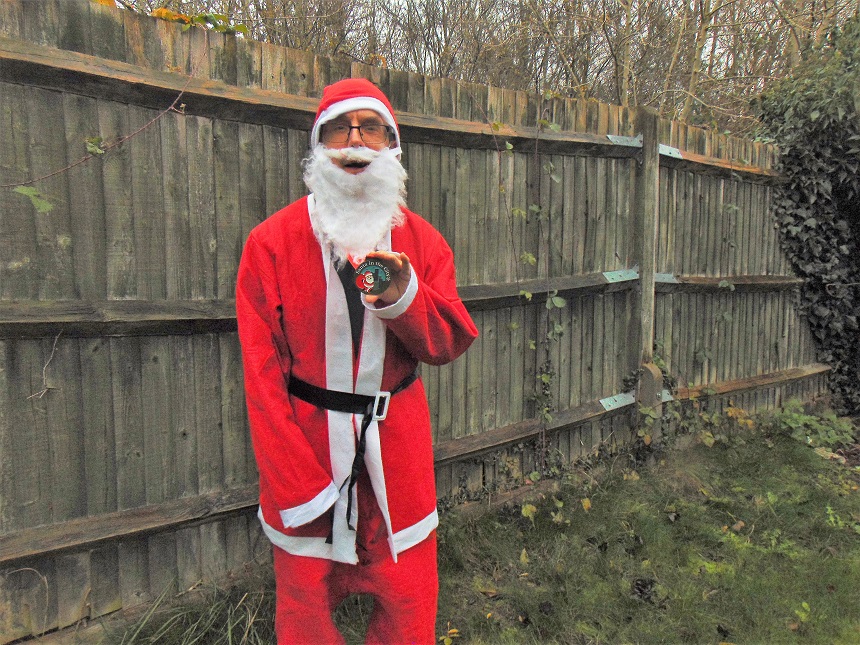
(404, 593)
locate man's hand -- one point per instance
(401, 273)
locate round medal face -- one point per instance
(372, 277)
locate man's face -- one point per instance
(354, 136)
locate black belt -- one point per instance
(374, 408)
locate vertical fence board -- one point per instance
(73, 587)
(47, 155)
(63, 407)
(100, 459)
(202, 262)
(18, 255)
(252, 175)
(104, 592)
(278, 166)
(7, 425)
(148, 205)
(130, 451)
(11, 19)
(227, 206)
(179, 273)
(86, 200)
(121, 263)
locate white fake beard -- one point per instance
(354, 212)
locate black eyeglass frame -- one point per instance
(389, 131)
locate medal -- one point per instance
(372, 276)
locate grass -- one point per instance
(743, 536)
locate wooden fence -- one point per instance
(125, 466)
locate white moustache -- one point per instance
(362, 154)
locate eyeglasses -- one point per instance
(338, 133)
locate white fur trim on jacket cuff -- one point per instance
(414, 534)
(395, 309)
(299, 515)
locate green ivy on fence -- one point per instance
(814, 118)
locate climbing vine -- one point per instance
(814, 118)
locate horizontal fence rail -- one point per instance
(89, 532)
(39, 319)
(100, 78)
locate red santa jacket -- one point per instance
(293, 321)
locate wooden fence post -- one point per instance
(646, 215)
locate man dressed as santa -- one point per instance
(339, 419)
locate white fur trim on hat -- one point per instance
(349, 105)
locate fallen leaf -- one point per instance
(586, 504)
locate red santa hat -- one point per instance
(353, 94)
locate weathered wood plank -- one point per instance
(278, 167)
(100, 483)
(7, 511)
(203, 252)
(12, 19)
(252, 179)
(30, 495)
(73, 584)
(105, 596)
(28, 600)
(34, 319)
(178, 234)
(107, 23)
(86, 199)
(155, 89)
(121, 268)
(63, 406)
(239, 468)
(136, 522)
(148, 205)
(227, 204)
(47, 154)
(18, 265)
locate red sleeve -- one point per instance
(291, 476)
(434, 326)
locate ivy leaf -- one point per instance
(39, 201)
(725, 284)
(529, 511)
(94, 146)
(526, 294)
(556, 302)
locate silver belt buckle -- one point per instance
(383, 398)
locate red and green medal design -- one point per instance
(372, 276)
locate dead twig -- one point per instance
(45, 386)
